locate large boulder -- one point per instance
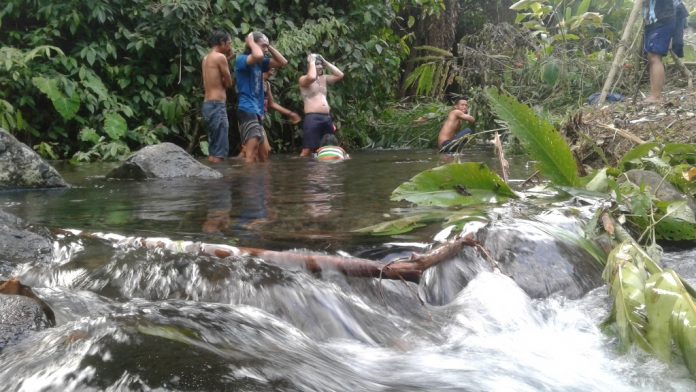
(22, 168)
(20, 243)
(165, 160)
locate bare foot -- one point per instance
(652, 101)
(213, 159)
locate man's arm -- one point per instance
(464, 116)
(224, 68)
(277, 59)
(256, 55)
(336, 74)
(311, 76)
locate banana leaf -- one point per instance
(454, 184)
(672, 318)
(627, 277)
(539, 138)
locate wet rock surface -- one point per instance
(165, 160)
(22, 168)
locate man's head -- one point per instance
(219, 38)
(319, 66)
(462, 104)
(261, 40)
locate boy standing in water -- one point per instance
(453, 124)
(216, 80)
(313, 89)
(249, 68)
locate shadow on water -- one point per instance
(136, 319)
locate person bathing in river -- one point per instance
(452, 128)
(313, 89)
(269, 104)
(216, 80)
(330, 150)
(249, 68)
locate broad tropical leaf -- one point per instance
(633, 156)
(402, 225)
(672, 318)
(627, 282)
(539, 138)
(66, 105)
(115, 126)
(454, 184)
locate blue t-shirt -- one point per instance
(250, 83)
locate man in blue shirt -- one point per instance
(249, 69)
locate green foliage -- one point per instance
(539, 138)
(455, 184)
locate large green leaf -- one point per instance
(402, 225)
(539, 138)
(672, 317)
(115, 126)
(627, 286)
(633, 156)
(66, 105)
(454, 184)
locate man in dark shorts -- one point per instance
(249, 69)
(313, 88)
(660, 21)
(216, 80)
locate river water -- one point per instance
(137, 319)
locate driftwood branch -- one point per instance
(501, 156)
(407, 269)
(623, 133)
(619, 57)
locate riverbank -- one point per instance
(601, 136)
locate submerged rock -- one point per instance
(22, 168)
(541, 263)
(165, 160)
(21, 312)
(20, 243)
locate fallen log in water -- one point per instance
(409, 269)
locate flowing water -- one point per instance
(138, 319)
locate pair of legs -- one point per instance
(314, 127)
(217, 125)
(254, 140)
(657, 40)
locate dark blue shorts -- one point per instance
(314, 127)
(459, 135)
(217, 125)
(657, 38)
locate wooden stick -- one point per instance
(685, 71)
(622, 132)
(619, 57)
(501, 156)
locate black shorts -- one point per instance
(314, 127)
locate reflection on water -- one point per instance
(138, 319)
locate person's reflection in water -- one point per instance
(219, 198)
(323, 185)
(254, 210)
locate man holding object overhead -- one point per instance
(313, 89)
(249, 68)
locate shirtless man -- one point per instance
(453, 124)
(249, 68)
(313, 88)
(216, 80)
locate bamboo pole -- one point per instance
(619, 57)
(685, 71)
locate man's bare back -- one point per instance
(454, 122)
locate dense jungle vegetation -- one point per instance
(95, 80)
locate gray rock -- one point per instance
(540, 263)
(165, 160)
(660, 188)
(19, 316)
(22, 168)
(19, 243)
